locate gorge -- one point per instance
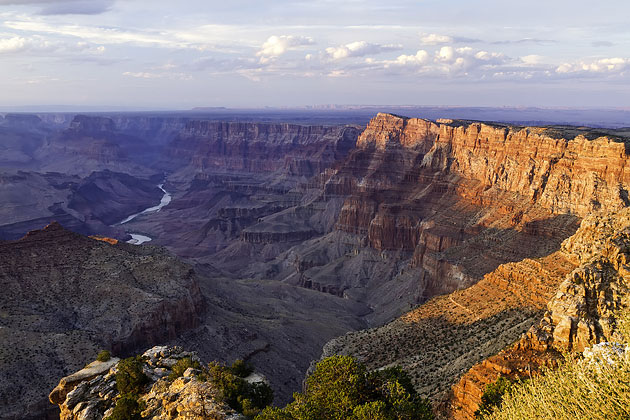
(432, 245)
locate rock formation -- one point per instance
(64, 296)
(91, 392)
(518, 180)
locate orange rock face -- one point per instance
(469, 200)
(581, 313)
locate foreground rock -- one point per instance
(582, 313)
(65, 296)
(91, 393)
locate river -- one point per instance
(136, 238)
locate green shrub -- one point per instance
(493, 396)
(127, 408)
(246, 398)
(180, 367)
(341, 388)
(130, 379)
(242, 369)
(103, 356)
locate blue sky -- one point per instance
(180, 54)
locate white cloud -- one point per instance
(446, 54)
(615, 65)
(275, 46)
(436, 39)
(419, 59)
(12, 45)
(359, 49)
(532, 59)
(94, 34)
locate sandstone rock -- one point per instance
(580, 315)
(94, 369)
(91, 394)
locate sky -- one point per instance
(179, 54)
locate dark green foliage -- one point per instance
(375, 410)
(493, 397)
(127, 408)
(180, 367)
(241, 368)
(239, 394)
(341, 388)
(130, 379)
(103, 356)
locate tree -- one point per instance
(341, 388)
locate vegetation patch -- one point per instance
(342, 388)
(104, 356)
(180, 367)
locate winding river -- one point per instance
(137, 238)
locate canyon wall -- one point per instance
(299, 150)
(453, 200)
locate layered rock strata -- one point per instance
(297, 150)
(451, 201)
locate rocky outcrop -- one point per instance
(91, 393)
(65, 296)
(583, 311)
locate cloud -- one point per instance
(419, 59)
(615, 65)
(155, 75)
(436, 39)
(275, 46)
(95, 34)
(13, 45)
(536, 41)
(359, 49)
(65, 7)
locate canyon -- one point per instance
(441, 241)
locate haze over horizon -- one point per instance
(245, 54)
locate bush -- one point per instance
(578, 389)
(493, 396)
(103, 356)
(596, 388)
(246, 398)
(127, 408)
(341, 388)
(130, 379)
(180, 367)
(242, 369)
